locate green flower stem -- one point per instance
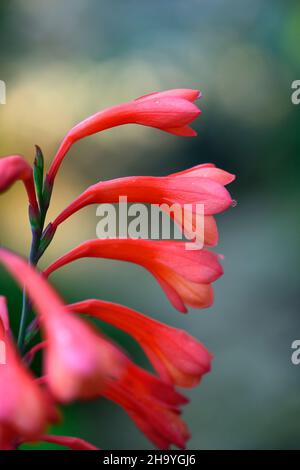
(37, 221)
(26, 307)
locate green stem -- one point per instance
(26, 307)
(37, 221)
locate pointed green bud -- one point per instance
(38, 173)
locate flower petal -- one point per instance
(14, 168)
(185, 275)
(177, 357)
(168, 111)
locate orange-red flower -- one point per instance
(177, 357)
(184, 275)
(23, 406)
(152, 405)
(79, 364)
(203, 184)
(171, 111)
(14, 168)
(77, 360)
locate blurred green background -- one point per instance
(64, 60)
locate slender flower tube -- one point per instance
(73, 443)
(171, 111)
(14, 168)
(23, 406)
(77, 360)
(177, 357)
(184, 275)
(203, 184)
(188, 188)
(152, 405)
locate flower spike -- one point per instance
(78, 360)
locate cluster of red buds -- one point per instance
(79, 361)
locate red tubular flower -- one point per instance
(195, 186)
(152, 405)
(202, 184)
(177, 357)
(77, 360)
(171, 111)
(23, 406)
(184, 275)
(14, 168)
